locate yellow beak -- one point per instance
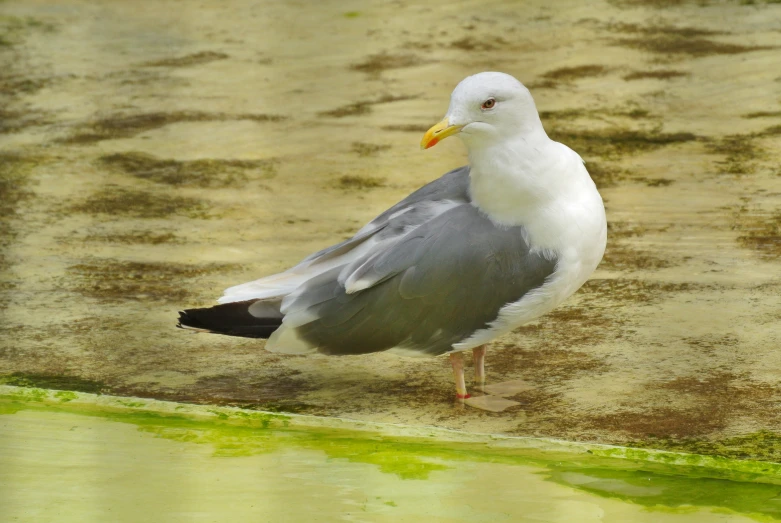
(439, 132)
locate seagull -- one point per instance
(461, 261)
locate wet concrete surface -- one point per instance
(154, 153)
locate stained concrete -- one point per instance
(155, 153)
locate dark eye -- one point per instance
(488, 104)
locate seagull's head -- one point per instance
(486, 107)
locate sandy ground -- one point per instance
(155, 153)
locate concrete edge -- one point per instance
(429, 433)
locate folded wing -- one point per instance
(421, 291)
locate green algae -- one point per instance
(659, 492)
(674, 483)
(30, 395)
(53, 381)
(762, 445)
(66, 396)
(131, 404)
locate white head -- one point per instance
(485, 108)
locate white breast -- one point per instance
(567, 221)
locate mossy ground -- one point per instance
(114, 281)
(565, 75)
(139, 237)
(763, 445)
(363, 106)
(206, 173)
(135, 203)
(617, 143)
(202, 57)
(360, 182)
(54, 381)
(128, 125)
(377, 63)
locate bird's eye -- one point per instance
(488, 104)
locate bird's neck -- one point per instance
(511, 180)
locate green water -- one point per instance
(69, 462)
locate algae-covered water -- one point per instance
(108, 460)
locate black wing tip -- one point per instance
(185, 320)
(230, 319)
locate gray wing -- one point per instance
(419, 207)
(452, 186)
(432, 287)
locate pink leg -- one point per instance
(478, 354)
(457, 361)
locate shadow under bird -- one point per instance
(465, 259)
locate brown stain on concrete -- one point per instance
(352, 182)
(759, 230)
(740, 152)
(407, 128)
(615, 143)
(716, 399)
(202, 57)
(482, 44)
(128, 125)
(364, 149)
(677, 45)
(377, 63)
(114, 281)
(134, 203)
(621, 257)
(140, 237)
(362, 107)
(206, 173)
(659, 74)
(566, 75)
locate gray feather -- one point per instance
(428, 287)
(452, 186)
